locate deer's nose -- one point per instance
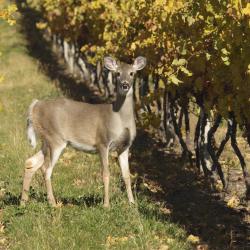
(125, 86)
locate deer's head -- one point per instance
(125, 73)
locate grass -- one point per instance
(79, 221)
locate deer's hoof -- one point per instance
(23, 203)
(52, 202)
(132, 203)
(106, 205)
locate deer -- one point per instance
(99, 128)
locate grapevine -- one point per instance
(197, 51)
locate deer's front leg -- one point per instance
(105, 174)
(123, 162)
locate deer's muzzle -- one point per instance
(125, 86)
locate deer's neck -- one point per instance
(124, 105)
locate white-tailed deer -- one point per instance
(88, 127)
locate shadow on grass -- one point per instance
(39, 48)
(187, 198)
(10, 199)
(90, 200)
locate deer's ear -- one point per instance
(139, 63)
(110, 63)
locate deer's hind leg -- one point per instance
(31, 166)
(52, 154)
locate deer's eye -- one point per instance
(131, 73)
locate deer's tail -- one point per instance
(30, 129)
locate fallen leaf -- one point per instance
(202, 247)
(1, 107)
(151, 187)
(1, 228)
(164, 247)
(193, 239)
(69, 155)
(3, 241)
(1, 78)
(219, 186)
(165, 210)
(59, 204)
(111, 240)
(170, 240)
(2, 192)
(79, 182)
(233, 202)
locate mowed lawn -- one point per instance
(79, 221)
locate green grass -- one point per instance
(80, 221)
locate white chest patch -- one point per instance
(83, 147)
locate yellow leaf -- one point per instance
(79, 182)
(133, 46)
(248, 70)
(179, 62)
(161, 84)
(246, 10)
(111, 240)
(225, 51)
(69, 155)
(208, 56)
(186, 71)
(170, 240)
(160, 70)
(12, 8)
(11, 22)
(202, 247)
(1, 107)
(174, 80)
(3, 241)
(165, 210)
(1, 228)
(59, 204)
(219, 186)
(41, 25)
(164, 247)
(1, 78)
(193, 239)
(93, 48)
(233, 202)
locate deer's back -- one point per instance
(66, 119)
